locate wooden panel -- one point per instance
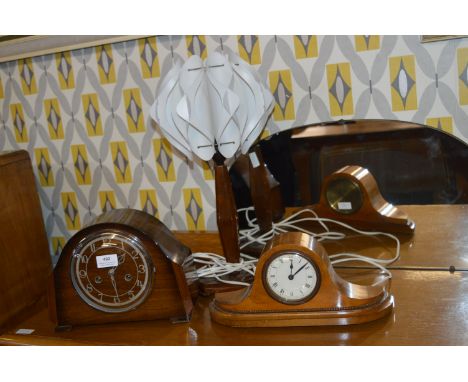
(352, 127)
(24, 254)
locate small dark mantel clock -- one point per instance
(124, 266)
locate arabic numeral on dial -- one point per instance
(308, 286)
(141, 268)
(282, 291)
(89, 287)
(139, 283)
(275, 285)
(130, 295)
(82, 273)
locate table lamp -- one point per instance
(214, 109)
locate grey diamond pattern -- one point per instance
(80, 164)
(304, 40)
(148, 55)
(19, 123)
(107, 205)
(150, 208)
(54, 119)
(121, 162)
(464, 75)
(437, 96)
(44, 167)
(403, 83)
(71, 211)
(196, 46)
(367, 40)
(248, 42)
(92, 116)
(164, 160)
(194, 209)
(64, 67)
(26, 74)
(282, 95)
(340, 89)
(133, 110)
(105, 62)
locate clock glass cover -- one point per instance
(291, 277)
(344, 195)
(111, 271)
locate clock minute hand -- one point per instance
(300, 269)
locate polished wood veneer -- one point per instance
(430, 301)
(24, 251)
(430, 309)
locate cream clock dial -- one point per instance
(291, 278)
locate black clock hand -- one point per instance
(300, 269)
(291, 267)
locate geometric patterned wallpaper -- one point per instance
(83, 115)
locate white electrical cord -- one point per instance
(216, 266)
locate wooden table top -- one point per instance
(430, 302)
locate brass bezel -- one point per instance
(354, 188)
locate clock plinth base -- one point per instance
(302, 318)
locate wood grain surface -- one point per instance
(24, 251)
(170, 296)
(430, 309)
(430, 301)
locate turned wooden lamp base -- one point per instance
(226, 211)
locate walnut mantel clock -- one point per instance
(124, 266)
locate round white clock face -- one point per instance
(291, 278)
